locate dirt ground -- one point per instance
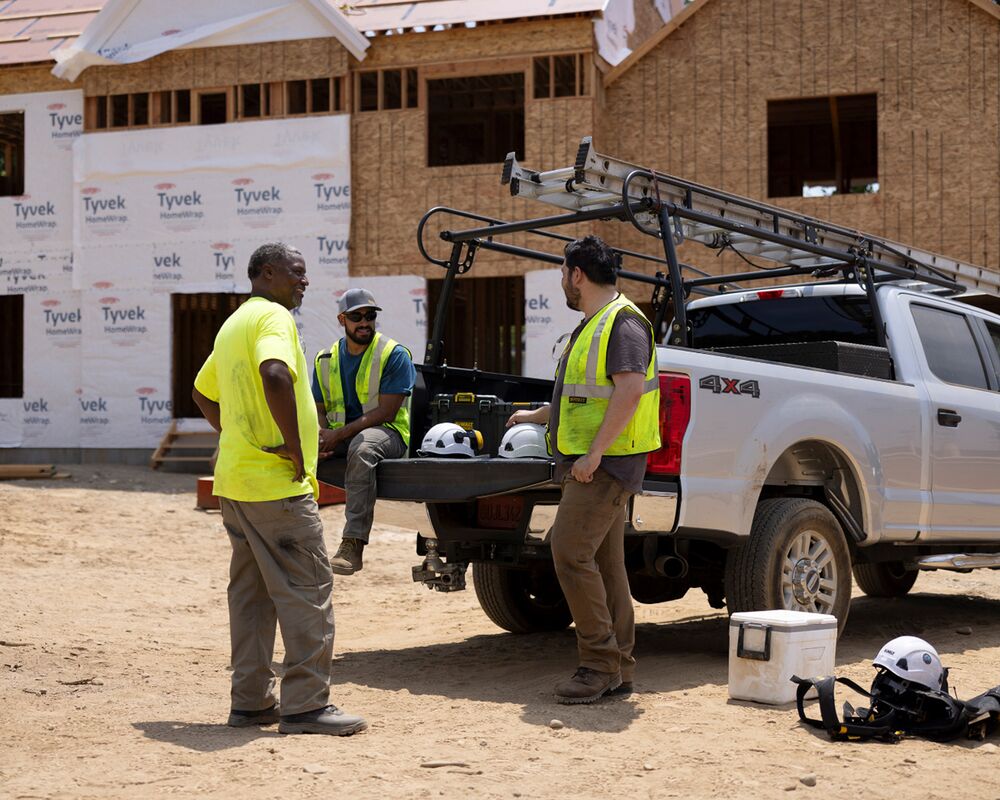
(113, 670)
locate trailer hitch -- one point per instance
(434, 573)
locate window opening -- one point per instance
(250, 96)
(212, 108)
(183, 98)
(296, 97)
(560, 76)
(119, 111)
(140, 109)
(11, 154)
(821, 146)
(165, 101)
(319, 95)
(475, 120)
(368, 94)
(12, 352)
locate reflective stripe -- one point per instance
(336, 419)
(374, 376)
(583, 390)
(324, 377)
(593, 354)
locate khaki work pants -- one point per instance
(588, 548)
(279, 572)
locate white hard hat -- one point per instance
(525, 440)
(912, 659)
(449, 439)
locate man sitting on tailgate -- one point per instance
(361, 386)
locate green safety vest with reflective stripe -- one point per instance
(366, 384)
(587, 390)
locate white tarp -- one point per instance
(130, 31)
(546, 319)
(617, 30)
(175, 207)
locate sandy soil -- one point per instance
(113, 669)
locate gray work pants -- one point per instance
(588, 548)
(279, 572)
(364, 453)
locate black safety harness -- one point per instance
(899, 708)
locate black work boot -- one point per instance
(329, 720)
(347, 561)
(586, 686)
(244, 719)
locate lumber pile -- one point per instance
(11, 472)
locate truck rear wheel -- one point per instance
(520, 600)
(795, 558)
(885, 579)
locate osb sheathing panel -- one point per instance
(392, 187)
(210, 67)
(22, 80)
(935, 66)
(487, 41)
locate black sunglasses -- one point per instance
(357, 316)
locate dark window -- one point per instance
(564, 75)
(475, 120)
(995, 338)
(12, 154)
(338, 94)
(485, 323)
(392, 89)
(543, 75)
(250, 100)
(166, 111)
(12, 351)
(119, 111)
(101, 104)
(212, 108)
(140, 109)
(183, 97)
(296, 97)
(368, 94)
(822, 146)
(784, 321)
(319, 95)
(196, 320)
(412, 91)
(950, 347)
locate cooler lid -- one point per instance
(784, 620)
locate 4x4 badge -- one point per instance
(720, 385)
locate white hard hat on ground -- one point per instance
(449, 439)
(912, 659)
(524, 440)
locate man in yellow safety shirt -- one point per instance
(253, 389)
(603, 420)
(362, 386)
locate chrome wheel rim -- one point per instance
(809, 574)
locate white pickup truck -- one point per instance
(811, 432)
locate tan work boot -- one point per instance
(347, 561)
(586, 686)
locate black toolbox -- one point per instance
(852, 359)
(485, 413)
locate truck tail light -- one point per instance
(675, 413)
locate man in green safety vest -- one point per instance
(361, 386)
(603, 420)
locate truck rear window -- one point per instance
(783, 321)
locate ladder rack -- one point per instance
(718, 219)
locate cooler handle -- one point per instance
(756, 655)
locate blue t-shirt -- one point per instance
(398, 377)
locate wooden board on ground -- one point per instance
(20, 471)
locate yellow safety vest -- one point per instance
(587, 390)
(366, 384)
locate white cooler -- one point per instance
(767, 647)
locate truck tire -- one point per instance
(796, 558)
(885, 579)
(520, 600)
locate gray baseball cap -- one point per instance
(356, 298)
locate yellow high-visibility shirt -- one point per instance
(258, 331)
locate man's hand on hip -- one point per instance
(292, 454)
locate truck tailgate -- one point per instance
(439, 480)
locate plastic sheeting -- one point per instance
(546, 319)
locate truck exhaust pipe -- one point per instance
(673, 567)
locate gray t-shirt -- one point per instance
(629, 350)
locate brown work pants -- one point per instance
(588, 548)
(279, 572)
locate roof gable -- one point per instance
(130, 31)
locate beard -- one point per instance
(360, 335)
(572, 297)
